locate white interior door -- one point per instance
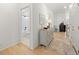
(26, 26)
(26, 21)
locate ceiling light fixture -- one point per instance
(71, 5)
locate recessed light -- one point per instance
(65, 7)
(70, 6)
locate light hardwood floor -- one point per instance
(60, 46)
(21, 49)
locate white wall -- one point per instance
(74, 24)
(9, 25)
(46, 15)
(35, 26)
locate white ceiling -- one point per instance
(57, 7)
